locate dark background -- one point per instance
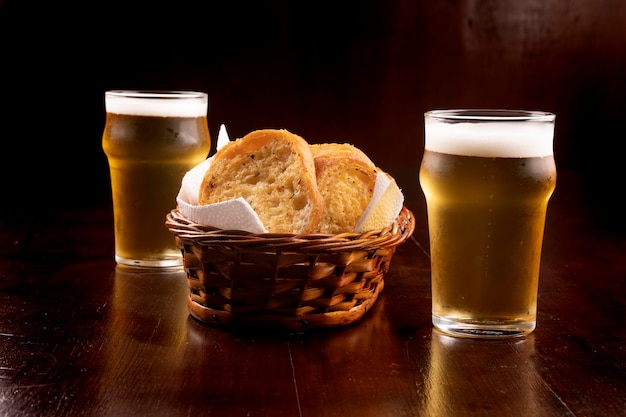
(331, 71)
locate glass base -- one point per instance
(171, 262)
(483, 329)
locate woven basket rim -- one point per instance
(198, 234)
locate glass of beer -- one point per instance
(151, 139)
(487, 176)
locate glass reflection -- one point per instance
(461, 377)
(146, 337)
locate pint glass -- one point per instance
(487, 176)
(151, 139)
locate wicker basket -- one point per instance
(284, 281)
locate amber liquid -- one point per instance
(486, 222)
(148, 157)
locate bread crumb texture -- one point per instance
(346, 179)
(274, 171)
(294, 187)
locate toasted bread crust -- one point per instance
(274, 171)
(346, 178)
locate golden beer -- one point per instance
(151, 140)
(487, 203)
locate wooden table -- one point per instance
(80, 337)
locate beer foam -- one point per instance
(505, 139)
(178, 104)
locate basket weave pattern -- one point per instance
(284, 281)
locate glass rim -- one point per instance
(156, 94)
(490, 115)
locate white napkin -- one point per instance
(384, 207)
(228, 215)
(382, 210)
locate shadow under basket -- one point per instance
(284, 281)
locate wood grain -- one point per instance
(81, 337)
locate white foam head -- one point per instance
(490, 133)
(157, 103)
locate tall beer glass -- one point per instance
(487, 176)
(151, 139)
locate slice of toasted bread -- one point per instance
(346, 178)
(274, 171)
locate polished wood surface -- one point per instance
(81, 337)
